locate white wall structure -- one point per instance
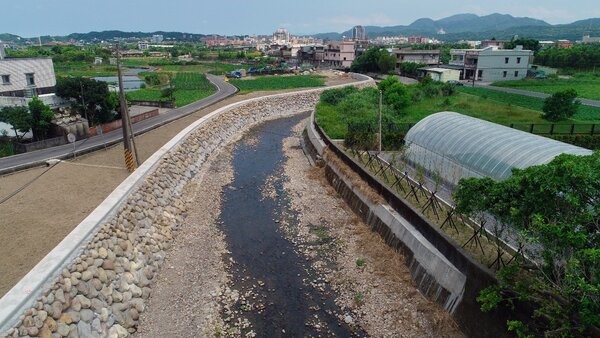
(492, 64)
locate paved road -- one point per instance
(585, 102)
(39, 157)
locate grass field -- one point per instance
(496, 107)
(585, 114)
(278, 82)
(587, 85)
(189, 87)
(83, 69)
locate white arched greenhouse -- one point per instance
(456, 146)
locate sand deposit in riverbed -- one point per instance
(372, 281)
(194, 295)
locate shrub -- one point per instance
(335, 96)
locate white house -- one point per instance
(492, 64)
(23, 78)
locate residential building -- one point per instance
(26, 77)
(314, 54)
(492, 43)
(564, 44)
(281, 36)
(590, 39)
(23, 79)
(440, 74)
(491, 64)
(157, 38)
(359, 33)
(339, 54)
(427, 57)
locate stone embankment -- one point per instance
(103, 289)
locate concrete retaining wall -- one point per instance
(96, 281)
(441, 269)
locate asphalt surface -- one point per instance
(39, 157)
(585, 102)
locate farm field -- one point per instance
(586, 84)
(83, 69)
(278, 82)
(189, 87)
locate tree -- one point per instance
(395, 94)
(528, 44)
(375, 59)
(410, 68)
(18, 117)
(561, 105)
(556, 209)
(93, 99)
(41, 116)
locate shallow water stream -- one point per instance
(273, 279)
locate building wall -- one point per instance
(494, 65)
(43, 70)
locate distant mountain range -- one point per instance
(457, 27)
(105, 36)
(474, 27)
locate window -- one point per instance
(30, 79)
(516, 73)
(505, 60)
(5, 79)
(518, 60)
(504, 73)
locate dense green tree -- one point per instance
(556, 209)
(410, 69)
(18, 117)
(92, 98)
(395, 94)
(375, 59)
(561, 105)
(41, 116)
(581, 56)
(529, 44)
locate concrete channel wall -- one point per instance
(95, 283)
(440, 268)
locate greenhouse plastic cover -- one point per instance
(456, 146)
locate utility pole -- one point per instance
(83, 102)
(380, 99)
(128, 143)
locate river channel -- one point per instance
(281, 301)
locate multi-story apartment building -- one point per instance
(491, 64)
(428, 57)
(340, 54)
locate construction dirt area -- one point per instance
(54, 200)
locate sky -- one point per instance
(30, 18)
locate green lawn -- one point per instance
(278, 82)
(587, 85)
(585, 114)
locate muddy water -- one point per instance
(275, 283)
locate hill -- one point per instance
(474, 27)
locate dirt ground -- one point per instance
(37, 218)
